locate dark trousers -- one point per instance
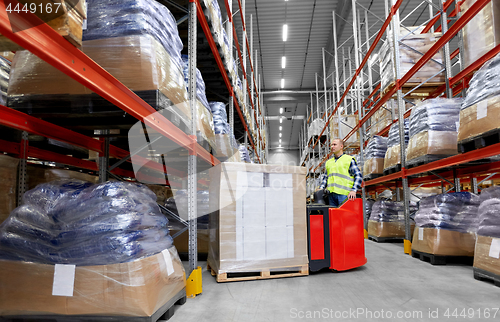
(335, 200)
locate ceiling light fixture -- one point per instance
(281, 128)
(280, 141)
(282, 83)
(283, 62)
(281, 110)
(285, 32)
(281, 120)
(280, 134)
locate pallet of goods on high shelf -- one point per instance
(413, 45)
(433, 131)
(374, 157)
(80, 248)
(387, 221)
(479, 122)
(314, 130)
(66, 17)
(141, 48)
(446, 228)
(382, 117)
(4, 79)
(226, 148)
(487, 251)
(482, 32)
(259, 222)
(347, 123)
(392, 161)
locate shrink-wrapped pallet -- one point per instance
(66, 17)
(258, 218)
(387, 219)
(374, 156)
(316, 127)
(447, 224)
(481, 106)
(412, 47)
(482, 32)
(433, 129)
(393, 154)
(347, 122)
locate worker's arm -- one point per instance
(324, 182)
(358, 179)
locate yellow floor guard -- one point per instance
(193, 284)
(366, 234)
(407, 247)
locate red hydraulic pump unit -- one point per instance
(335, 236)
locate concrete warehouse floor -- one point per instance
(392, 286)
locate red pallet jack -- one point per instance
(336, 236)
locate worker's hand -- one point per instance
(326, 191)
(352, 195)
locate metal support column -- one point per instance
(244, 56)
(446, 49)
(22, 178)
(456, 181)
(474, 185)
(401, 108)
(229, 32)
(193, 286)
(104, 158)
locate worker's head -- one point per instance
(337, 146)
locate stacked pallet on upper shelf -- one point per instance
(347, 122)
(413, 45)
(64, 16)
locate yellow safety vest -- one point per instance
(339, 179)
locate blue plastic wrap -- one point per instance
(200, 83)
(435, 115)
(489, 213)
(393, 138)
(244, 155)
(75, 222)
(109, 18)
(221, 126)
(452, 211)
(376, 148)
(484, 84)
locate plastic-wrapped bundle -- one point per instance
(76, 222)
(316, 128)
(107, 19)
(387, 211)
(245, 156)
(374, 156)
(387, 219)
(200, 83)
(219, 114)
(482, 103)
(179, 205)
(489, 213)
(393, 154)
(4, 79)
(451, 211)
(368, 207)
(433, 128)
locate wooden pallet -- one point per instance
(483, 275)
(163, 313)
(372, 176)
(483, 140)
(424, 159)
(385, 239)
(442, 259)
(423, 91)
(393, 169)
(268, 273)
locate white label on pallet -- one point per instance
(495, 248)
(64, 280)
(168, 261)
(482, 109)
(457, 124)
(420, 233)
(389, 153)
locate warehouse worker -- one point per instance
(343, 177)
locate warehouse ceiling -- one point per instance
(310, 28)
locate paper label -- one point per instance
(389, 153)
(168, 261)
(414, 144)
(64, 280)
(84, 26)
(482, 109)
(420, 233)
(495, 248)
(457, 124)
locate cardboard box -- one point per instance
(387, 229)
(443, 242)
(67, 20)
(258, 217)
(487, 254)
(392, 156)
(347, 122)
(8, 185)
(39, 174)
(137, 288)
(479, 118)
(373, 166)
(482, 32)
(432, 143)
